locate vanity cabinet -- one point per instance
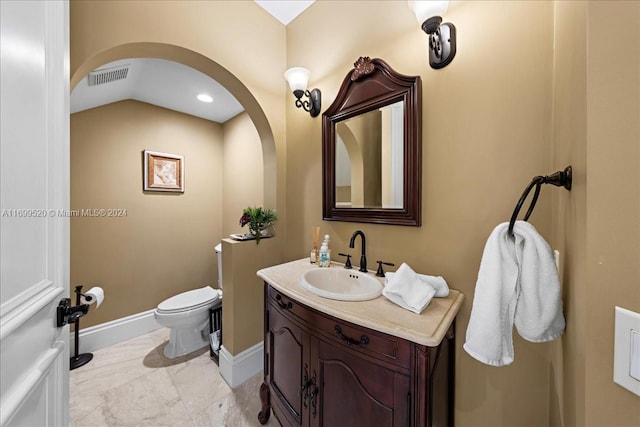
(323, 371)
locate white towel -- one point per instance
(517, 284)
(406, 289)
(436, 282)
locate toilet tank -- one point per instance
(218, 249)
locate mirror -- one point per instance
(371, 140)
(369, 147)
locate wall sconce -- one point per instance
(298, 78)
(442, 37)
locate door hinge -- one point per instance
(66, 314)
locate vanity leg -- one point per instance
(263, 415)
(450, 337)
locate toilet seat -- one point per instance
(189, 300)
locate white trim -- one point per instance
(109, 333)
(237, 369)
(25, 305)
(18, 301)
(14, 398)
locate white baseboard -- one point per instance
(99, 336)
(237, 369)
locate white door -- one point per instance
(34, 194)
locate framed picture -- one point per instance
(163, 171)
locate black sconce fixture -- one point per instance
(298, 78)
(442, 37)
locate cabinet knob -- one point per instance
(282, 304)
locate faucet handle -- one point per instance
(380, 272)
(347, 264)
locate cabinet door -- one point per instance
(285, 366)
(356, 392)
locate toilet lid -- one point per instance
(189, 300)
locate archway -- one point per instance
(214, 70)
(240, 303)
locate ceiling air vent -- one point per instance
(108, 75)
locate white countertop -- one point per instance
(380, 314)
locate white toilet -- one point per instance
(187, 315)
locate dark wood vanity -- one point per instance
(321, 370)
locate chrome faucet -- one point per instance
(363, 257)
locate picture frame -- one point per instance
(163, 171)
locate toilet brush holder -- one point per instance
(78, 360)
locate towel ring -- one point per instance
(559, 179)
(538, 184)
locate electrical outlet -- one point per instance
(626, 354)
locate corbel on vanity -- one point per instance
(366, 363)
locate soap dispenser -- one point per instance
(325, 253)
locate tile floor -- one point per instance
(133, 384)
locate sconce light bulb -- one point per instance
(298, 78)
(425, 9)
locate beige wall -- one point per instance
(486, 132)
(244, 324)
(242, 171)
(164, 244)
(567, 379)
(613, 202)
(596, 128)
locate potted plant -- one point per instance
(259, 220)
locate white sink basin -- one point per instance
(341, 284)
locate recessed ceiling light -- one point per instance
(205, 98)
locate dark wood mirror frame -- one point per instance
(370, 85)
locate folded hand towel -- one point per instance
(517, 284)
(406, 289)
(436, 282)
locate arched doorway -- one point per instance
(248, 301)
(215, 71)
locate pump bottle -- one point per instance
(325, 253)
